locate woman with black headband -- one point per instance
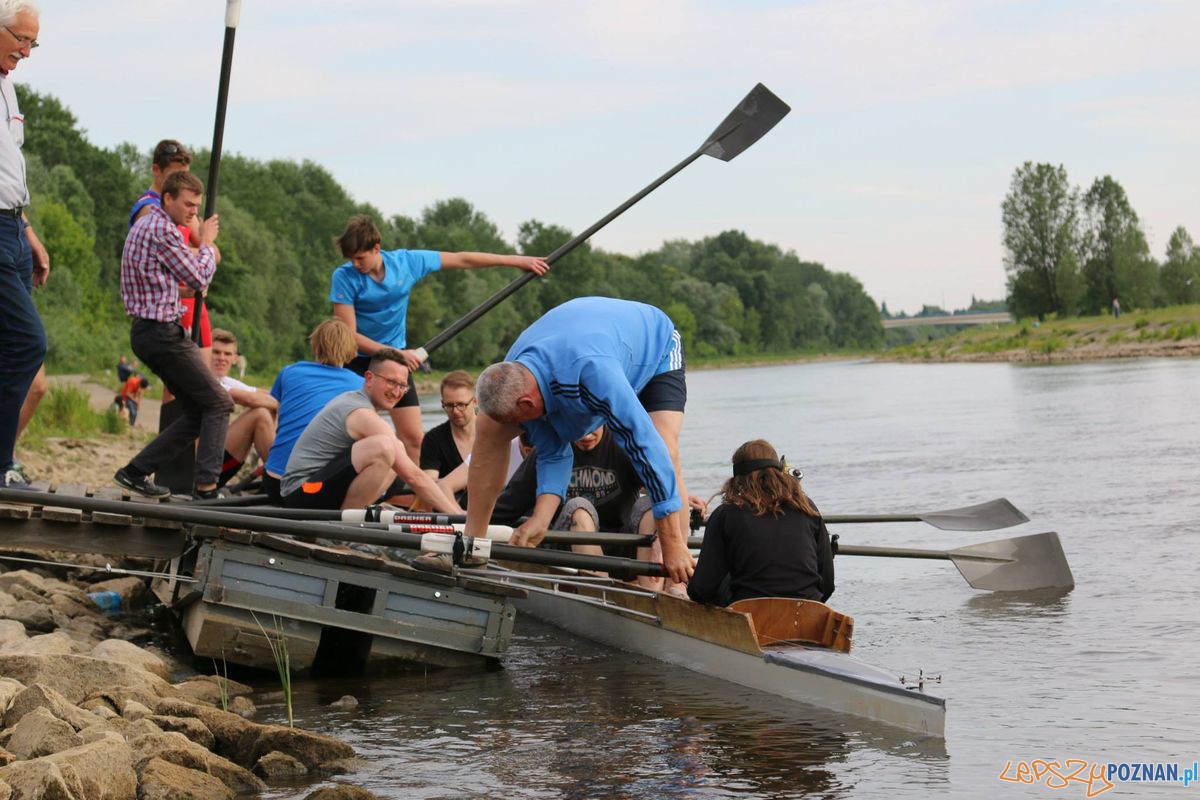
(766, 539)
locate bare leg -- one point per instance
(408, 430)
(372, 458)
(652, 553)
(37, 390)
(581, 521)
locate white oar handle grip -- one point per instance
(421, 354)
(233, 13)
(444, 543)
(498, 533)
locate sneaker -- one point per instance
(13, 479)
(19, 468)
(209, 494)
(434, 562)
(143, 485)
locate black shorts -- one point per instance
(410, 398)
(666, 391)
(327, 487)
(270, 487)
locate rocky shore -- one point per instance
(90, 715)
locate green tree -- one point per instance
(1041, 241)
(1117, 260)
(1180, 275)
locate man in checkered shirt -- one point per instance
(155, 260)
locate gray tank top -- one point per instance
(323, 440)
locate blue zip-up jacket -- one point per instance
(591, 357)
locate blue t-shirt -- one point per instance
(381, 307)
(303, 389)
(591, 357)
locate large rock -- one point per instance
(40, 733)
(101, 770)
(11, 631)
(41, 696)
(276, 766)
(195, 730)
(34, 616)
(313, 750)
(207, 689)
(176, 749)
(162, 780)
(127, 653)
(46, 644)
(243, 707)
(22, 579)
(77, 677)
(116, 698)
(8, 690)
(69, 605)
(227, 728)
(342, 791)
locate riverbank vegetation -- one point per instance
(730, 295)
(1172, 331)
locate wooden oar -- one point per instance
(758, 112)
(1020, 564)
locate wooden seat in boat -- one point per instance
(778, 620)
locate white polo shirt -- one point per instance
(13, 190)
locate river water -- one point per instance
(1103, 453)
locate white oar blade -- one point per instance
(1019, 564)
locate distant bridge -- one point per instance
(1000, 318)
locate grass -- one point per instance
(283, 663)
(67, 411)
(1058, 336)
(222, 681)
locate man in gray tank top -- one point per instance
(348, 456)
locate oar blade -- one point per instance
(989, 516)
(1019, 564)
(758, 112)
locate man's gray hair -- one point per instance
(500, 386)
(10, 8)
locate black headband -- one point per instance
(752, 464)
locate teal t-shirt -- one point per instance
(381, 307)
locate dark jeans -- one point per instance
(174, 358)
(22, 337)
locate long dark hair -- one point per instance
(767, 490)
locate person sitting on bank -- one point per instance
(766, 539)
(254, 427)
(348, 457)
(306, 387)
(446, 446)
(370, 294)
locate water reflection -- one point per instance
(1046, 603)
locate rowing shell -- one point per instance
(721, 643)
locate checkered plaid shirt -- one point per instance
(155, 261)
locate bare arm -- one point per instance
(533, 530)
(537, 266)
(489, 463)
(41, 259)
(345, 312)
(254, 399)
(364, 422)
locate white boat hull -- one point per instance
(823, 678)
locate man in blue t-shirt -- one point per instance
(370, 294)
(591, 361)
(304, 388)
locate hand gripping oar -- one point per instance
(1007, 565)
(189, 514)
(754, 116)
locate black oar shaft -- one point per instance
(315, 530)
(499, 297)
(891, 552)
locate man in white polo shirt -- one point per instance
(24, 262)
(256, 425)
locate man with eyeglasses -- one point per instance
(348, 457)
(24, 263)
(446, 446)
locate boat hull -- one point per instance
(824, 678)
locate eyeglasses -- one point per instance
(457, 406)
(395, 386)
(24, 41)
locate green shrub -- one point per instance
(1140, 323)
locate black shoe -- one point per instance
(209, 494)
(143, 485)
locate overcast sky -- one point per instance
(908, 117)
